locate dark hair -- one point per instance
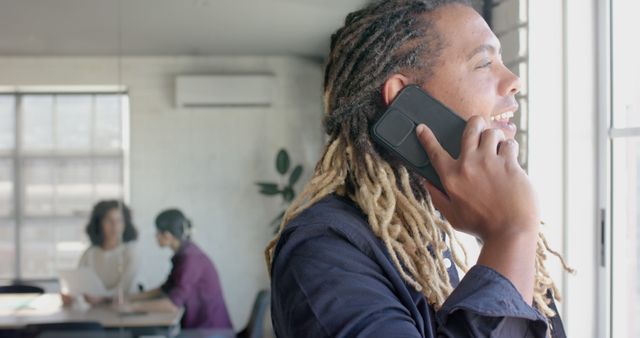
(174, 222)
(100, 210)
(375, 42)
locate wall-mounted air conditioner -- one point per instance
(202, 91)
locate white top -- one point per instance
(118, 265)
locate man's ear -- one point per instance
(393, 86)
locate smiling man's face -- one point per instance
(470, 77)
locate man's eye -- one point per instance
(485, 65)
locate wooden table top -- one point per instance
(18, 310)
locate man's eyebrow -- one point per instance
(484, 48)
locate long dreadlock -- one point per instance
(375, 42)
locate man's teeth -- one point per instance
(503, 116)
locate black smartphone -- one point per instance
(395, 130)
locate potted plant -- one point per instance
(284, 189)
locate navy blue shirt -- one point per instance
(332, 277)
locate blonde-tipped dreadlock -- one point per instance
(371, 46)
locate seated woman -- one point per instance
(112, 254)
(193, 282)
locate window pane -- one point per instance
(50, 245)
(74, 121)
(6, 187)
(59, 184)
(108, 132)
(626, 69)
(73, 191)
(7, 122)
(38, 187)
(108, 178)
(38, 249)
(37, 120)
(7, 249)
(626, 238)
(71, 241)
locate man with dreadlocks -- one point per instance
(366, 249)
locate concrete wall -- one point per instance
(204, 161)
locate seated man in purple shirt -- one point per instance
(193, 282)
(365, 250)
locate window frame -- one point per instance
(604, 185)
(565, 155)
(608, 134)
(18, 155)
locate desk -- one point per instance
(85, 334)
(207, 333)
(201, 333)
(18, 310)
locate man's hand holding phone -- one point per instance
(488, 192)
(490, 196)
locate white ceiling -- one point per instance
(170, 27)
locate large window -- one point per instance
(625, 169)
(59, 154)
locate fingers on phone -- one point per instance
(471, 135)
(490, 139)
(439, 157)
(509, 149)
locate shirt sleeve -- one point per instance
(486, 304)
(325, 287)
(181, 281)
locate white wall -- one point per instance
(204, 161)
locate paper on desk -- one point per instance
(81, 281)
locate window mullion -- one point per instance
(17, 186)
(56, 162)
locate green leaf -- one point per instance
(288, 194)
(295, 175)
(268, 188)
(282, 162)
